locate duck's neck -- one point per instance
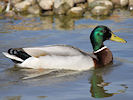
(104, 56)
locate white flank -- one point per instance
(12, 56)
(79, 62)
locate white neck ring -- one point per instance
(100, 49)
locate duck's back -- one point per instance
(64, 50)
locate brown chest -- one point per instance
(104, 57)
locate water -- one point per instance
(112, 82)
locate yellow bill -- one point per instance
(117, 39)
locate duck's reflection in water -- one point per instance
(98, 86)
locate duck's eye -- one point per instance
(103, 31)
(99, 34)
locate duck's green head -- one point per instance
(102, 33)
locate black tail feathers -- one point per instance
(19, 52)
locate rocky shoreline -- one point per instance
(73, 8)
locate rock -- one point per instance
(105, 3)
(76, 12)
(120, 3)
(34, 9)
(90, 1)
(131, 5)
(13, 2)
(84, 6)
(62, 6)
(57, 3)
(100, 10)
(22, 6)
(116, 3)
(79, 1)
(123, 3)
(46, 4)
(62, 9)
(32, 2)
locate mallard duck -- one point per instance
(65, 56)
